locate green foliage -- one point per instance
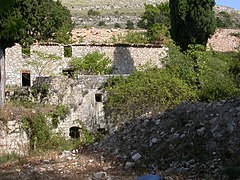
(8, 158)
(224, 20)
(93, 63)
(40, 89)
(209, 73)
(30, 20)
(59, 113)
(156, 20)
(87, 137)
(192, 22)
(152, 90)
(67, 51)
(26, 51)
(39, 129)
(132, 37)
(93, 12)
(129, 24)
(101, 23)
(136, 38)
(117, 25)
(159, 33)
(155, 14)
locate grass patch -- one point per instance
(8, 158)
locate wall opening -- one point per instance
(74, 132)
(68, 72)
(67, 51)
(98, 97)
(26, 79)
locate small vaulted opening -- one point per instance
(74, 132)
(26, 79)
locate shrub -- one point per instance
(207, 72)
(102, 23)
(93, 12)
(117, 25)
(136, 38)
(129, 25)
(93, 63)
(152, 91)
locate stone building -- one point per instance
(22, 70)
(81, 95)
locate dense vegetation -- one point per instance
(94, 63)
(192, 75)
(29, 20)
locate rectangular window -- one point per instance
(26, 79)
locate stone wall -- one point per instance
(125, 59)
(84, 99)
(13, 139)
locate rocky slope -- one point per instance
(194, 140)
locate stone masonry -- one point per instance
(125, 59)
(13, 139)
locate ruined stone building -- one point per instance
(81, 95)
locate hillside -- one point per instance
(113, 11)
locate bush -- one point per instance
(93, 12)
(117, 25)
(102, 23)
(207, 72)
(136, 38)
(93, 63)
(129, 25)
(152, 91)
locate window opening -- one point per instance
(74, 132)
(98, 97)
(26, 79)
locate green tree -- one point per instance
(192, 22)
(157, 22)
(24, 21)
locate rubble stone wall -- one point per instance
(13, 139)
(80, 96)
(125, 59)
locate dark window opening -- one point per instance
(74, 132)
(68, 72)
(102, 131)
(98, 97)
(26, 79)
(67, 51)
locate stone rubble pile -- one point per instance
(195, 140)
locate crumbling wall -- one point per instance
(85, 100)
(125, 59)
(13, 139)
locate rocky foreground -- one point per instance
(192, 141)
(195, 140)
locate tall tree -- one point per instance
(192, 21)
(26, 21)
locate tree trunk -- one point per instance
(2, 76)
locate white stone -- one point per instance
(136, 157)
